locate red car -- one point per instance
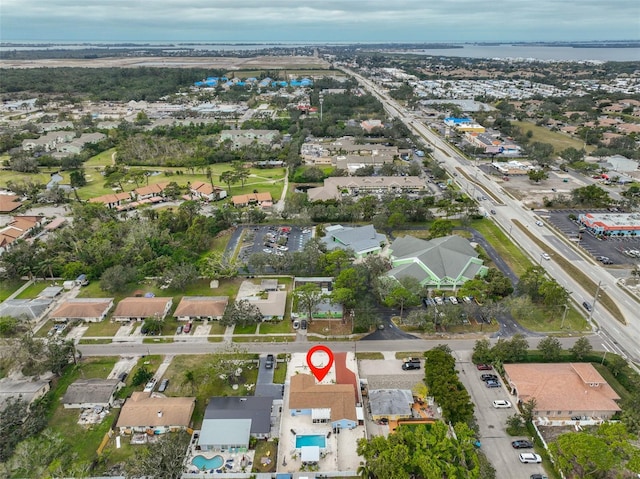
(484, 367)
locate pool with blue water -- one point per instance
(202, 462)
(311, 440)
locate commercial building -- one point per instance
(362, 240)
(441, 263)
(611, 224)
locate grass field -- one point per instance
(509, 251)
(101, 159)
(560, 141)
(7, 288)
(33, 290)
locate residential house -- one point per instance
(325, 309)
(138, 309)
(562, 390)
(150, 191)
(263, 200)
(18, 228)
(391, 404)
(325, 403)
(49, 141)
(201, 307)
(9, 203)
(362, 240)
(152, 414)
(272, 307)
(112, 200)
(206, 191)
(26, 389)
(230, 421)
(90, 310)
(441, 263)
(25, 309)
(89, 393)
(76, 145)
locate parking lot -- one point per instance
(611, 248)
(275, 240)
(496, 443)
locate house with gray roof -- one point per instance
(363, 240)
(230, 421)
(25, 309)
(89, 393)
(26, 389)
(441, 263)
(391, 404)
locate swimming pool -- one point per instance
(202, 462)
(312, 440)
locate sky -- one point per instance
(428, 21)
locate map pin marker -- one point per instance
(320, 372)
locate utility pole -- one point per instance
(595, 300)
(321, 102)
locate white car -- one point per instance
(539, 223)
(546, 256)
(267, 250)
(453, 300)
(530, 458)
(501, 404)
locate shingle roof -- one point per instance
(274, 305)
(561, 387)
(82, 308)
(28, 309)
(141, 307)
(201, 306)
(256, 408)
(87, 391)
(358, 239)
(445, 257)
(142, 409)
(390, 402)
(304, 393)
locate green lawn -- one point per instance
(33, 290)
(560, 141)
(82, 442)
(207, 383)
(548, 321)
(216, 328)
(372, 356)
(7, 288)
(249, 329)
(280, 373)
(103, 328)
(275, 327)
(100, 160)
(509, 251)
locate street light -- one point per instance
(606, 350)
(566, 308)
(595, 300)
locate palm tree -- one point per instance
(363, 471)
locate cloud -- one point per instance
(389, 20)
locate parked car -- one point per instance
(303, 324)
(269, 362)
(453, 300)
(522, 444)
(538, 476)
(530, 458)
(484, 367)
(179, 330)
(187, 328)
(493, 384)
(409, 366)
(123, 377)
(164, 384)
(489, 377)
(296, 324)
(501, 404)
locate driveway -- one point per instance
(265, 386)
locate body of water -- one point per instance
(502, 51)
(311, 440)
(537, 52)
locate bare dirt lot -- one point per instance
(230, 63)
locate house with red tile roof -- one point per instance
(206, 191)
(562, 390)
(112, 200)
